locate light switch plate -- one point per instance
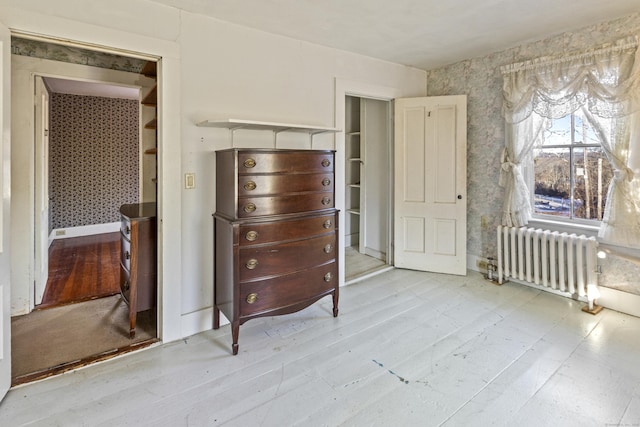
(189, 180)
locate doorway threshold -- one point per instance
(80, 363)
(368, 274)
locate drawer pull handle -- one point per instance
(251, 298)
(249, 163)
(249, 207)
(127, 230)
(326, 200)
(326, 182)
(127, 255)
(251, 235)
(251, 264)
(126, 285)
(250, 185)
(327, 224)
(328, 277)
(327, 248)
(326, 163)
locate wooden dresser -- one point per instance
(138, 259)
(275, 232)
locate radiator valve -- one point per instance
(491, 269)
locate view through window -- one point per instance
(571, 171)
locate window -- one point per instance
(571, 173)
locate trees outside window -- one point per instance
(571, 171)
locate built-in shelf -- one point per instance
(153, 150)
(354, 185)
(355, 159)
(151, 124)
(353, 133)
(152, 97)
(354, 211)
(234, 124)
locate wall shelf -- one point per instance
(276, 128)
(235, 124)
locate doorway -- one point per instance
(368, 187)
(93, 244)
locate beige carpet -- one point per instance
(48, 338)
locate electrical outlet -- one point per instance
(190, 180)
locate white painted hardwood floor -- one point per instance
(408, 349)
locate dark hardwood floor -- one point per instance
(82, 268)
(85, 321)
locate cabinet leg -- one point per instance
(216, 317)
(335, 303)
(235, 331)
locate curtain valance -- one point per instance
(605, 80)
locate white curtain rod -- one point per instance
(628, 43)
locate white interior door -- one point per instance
(430, 184)
(42, 189)
(5, 136)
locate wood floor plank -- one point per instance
(409, 348)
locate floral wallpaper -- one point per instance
(480, 79)
(93, 159)
(74, 55)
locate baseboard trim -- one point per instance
(198, 321)
(85, 230)
(623, 302)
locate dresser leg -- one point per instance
(216, 317)
(335, 303)
(235, 331)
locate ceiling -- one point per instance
(420, 33)
(78, 87)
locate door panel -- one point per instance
(430, 193)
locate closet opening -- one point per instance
(368, 190)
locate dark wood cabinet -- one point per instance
(138, 259)
(275, 233)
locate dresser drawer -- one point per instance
(258, 185)
(280, 292)
(125, 253)
(284, 162)
(272, 260)
(249, 207)
(125, 227)
(276, 231)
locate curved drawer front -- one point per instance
(259, 233)
(277, 293)
(277, 205)
(258, 185)
(284, 162)
(125, 227)
(125, 253)
(271, 260)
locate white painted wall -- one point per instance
(209, 69)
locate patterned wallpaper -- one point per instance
(93, 159)
(74, 55)
(480, 79)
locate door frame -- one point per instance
(41, 189)
(41, 177)
(344, 88)
(167, 55)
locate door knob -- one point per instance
(459, 196)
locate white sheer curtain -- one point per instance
(605, 84)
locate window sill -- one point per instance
(560, 226)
